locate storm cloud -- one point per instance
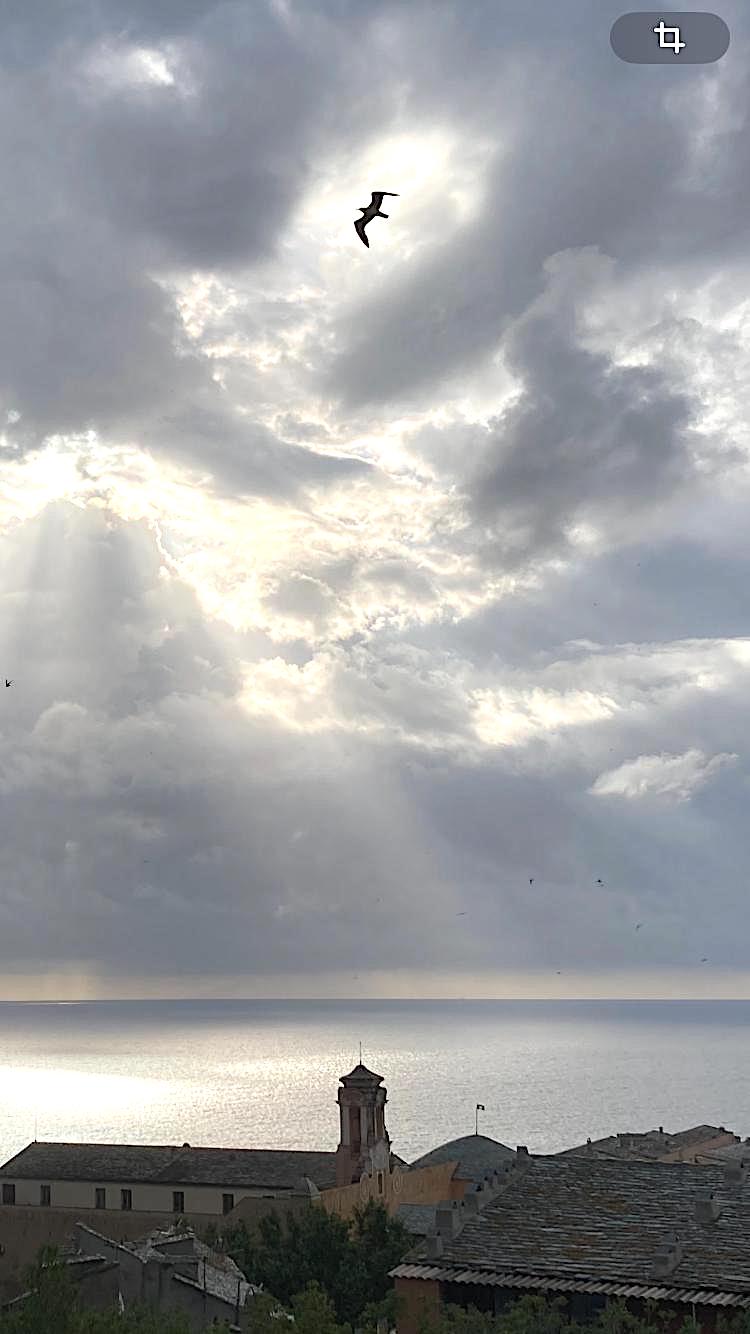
(345, 592)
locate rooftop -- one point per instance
(601, 1222)
(216, 1273)
(656, 1145)
(477, 1156)
(417, 1218)
(272, 1169)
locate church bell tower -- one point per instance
(361, 1103)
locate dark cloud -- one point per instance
(585, 437)
(442, 687)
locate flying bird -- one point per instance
(600, 882)
(8, 683)
(531, 881)
(638, 926)
(372, 211)
(704, 960)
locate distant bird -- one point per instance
(531, 881)
(371, 211)
(8, 683)
(638, 926)
(705, 960)
(559, 973)
(600, 882)
(460, 914)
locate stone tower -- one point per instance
(362, 1116)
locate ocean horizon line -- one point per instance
(379, 1000)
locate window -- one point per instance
(126, 1199)
(227, 1203)
(45, 1194)
(100, 1197)
(9, 1193)
(178, 1201)
(380, 1183)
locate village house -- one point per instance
(171, 1270)
(696, 1145)
(589, 1230)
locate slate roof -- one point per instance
(597, 1221)
(654, 1145)
(726, 1153)
(272, 1169)
(417, 1218)
(477, 1156)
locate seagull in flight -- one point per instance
(600, 882)
(8, 683)
(372, 211)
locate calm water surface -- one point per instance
(265, 1073)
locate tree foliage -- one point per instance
(540, 1315)
(349, 1262)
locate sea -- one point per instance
(265, 1074)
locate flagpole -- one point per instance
(476, 1121)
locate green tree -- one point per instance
(349, 1261)
(314, 1313)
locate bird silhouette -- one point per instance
(638, 926)
(531, 881)
(8, 683)
(460, 914)
(371, 211)
(704, 960)
(600, 882)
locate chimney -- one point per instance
(447, 1219)
(707, 1207)
(434, 1246)
(667, 1256)
(521, 1150)
(735, 1173)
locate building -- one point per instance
(683, 1146)
(727, 1153)
(171, 1270)
(473, 1159)
(172, 1179)
(364, 1142)
(159, 1178)
(590, 1230)
(477, 1157)
(124, 1190)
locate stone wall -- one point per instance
(425, 1185)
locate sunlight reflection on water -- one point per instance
(266, 1074)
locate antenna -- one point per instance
(360, 1053)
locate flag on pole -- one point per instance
(481, 1107)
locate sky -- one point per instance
(377, 619)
